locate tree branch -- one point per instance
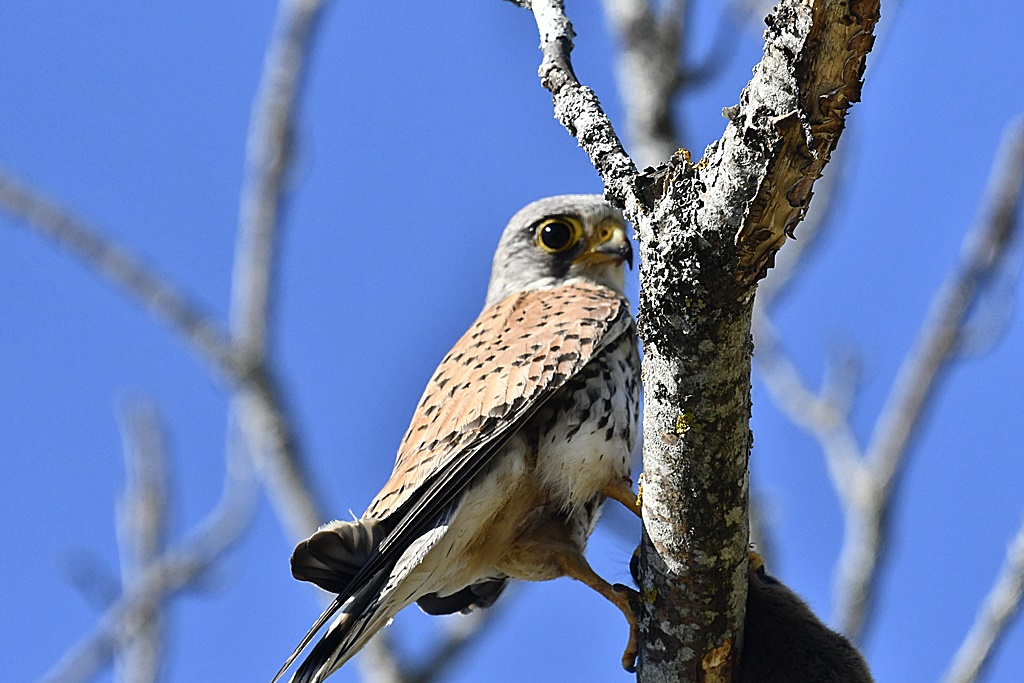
(268, 154)
(577, 107)
(257, 403)
(713, 230)
(798, 115)
(917, 380)
(707, 234)
(996, 614)
(142, 530)
(171, 573)
(123, 268)
(649, 72)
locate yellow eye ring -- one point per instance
(558, 234)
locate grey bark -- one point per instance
(708, 232)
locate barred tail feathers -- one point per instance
(333, 556)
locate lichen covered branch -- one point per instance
(792, 114)
(578, 109)
(711, 231)
(707, 233)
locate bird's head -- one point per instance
(558, 239)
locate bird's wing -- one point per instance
(516, 355)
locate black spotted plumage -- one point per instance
(524, 426)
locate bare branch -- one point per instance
(380, 664)
(257, 404)
(120, 266)
(142, 530)
(649, 73)
(822, 415)
(577, 107)
(268, 152)
(171, 573)
(996, 614)
(917, 380)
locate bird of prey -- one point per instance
(522, 433)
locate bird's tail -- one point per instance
(345, 557)
(360, 618)
(331, 558)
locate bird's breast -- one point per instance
(586, 432)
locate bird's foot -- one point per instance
(623, 492)
(755, 563)
(629, 603)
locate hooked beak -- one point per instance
(612, 244)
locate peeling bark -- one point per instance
(708, 232)
(711, 231)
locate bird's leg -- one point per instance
(623, 492)
(575, 566)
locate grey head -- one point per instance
(560, 239)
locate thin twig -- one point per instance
(996, 614)
(381, 663)
(174, 571)
(917, 380)
(119, 265)
(142, 531)
(257, 404)
(577, 107)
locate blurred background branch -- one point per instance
(657, 72)
(132, 628)
(142, 522)
(994, 617)
(175, 570)
(916, 384)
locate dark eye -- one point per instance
(557, 234)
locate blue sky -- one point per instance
(421, 131)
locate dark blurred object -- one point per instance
(783, 640)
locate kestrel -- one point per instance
(523, 431)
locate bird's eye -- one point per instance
(558, 234)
